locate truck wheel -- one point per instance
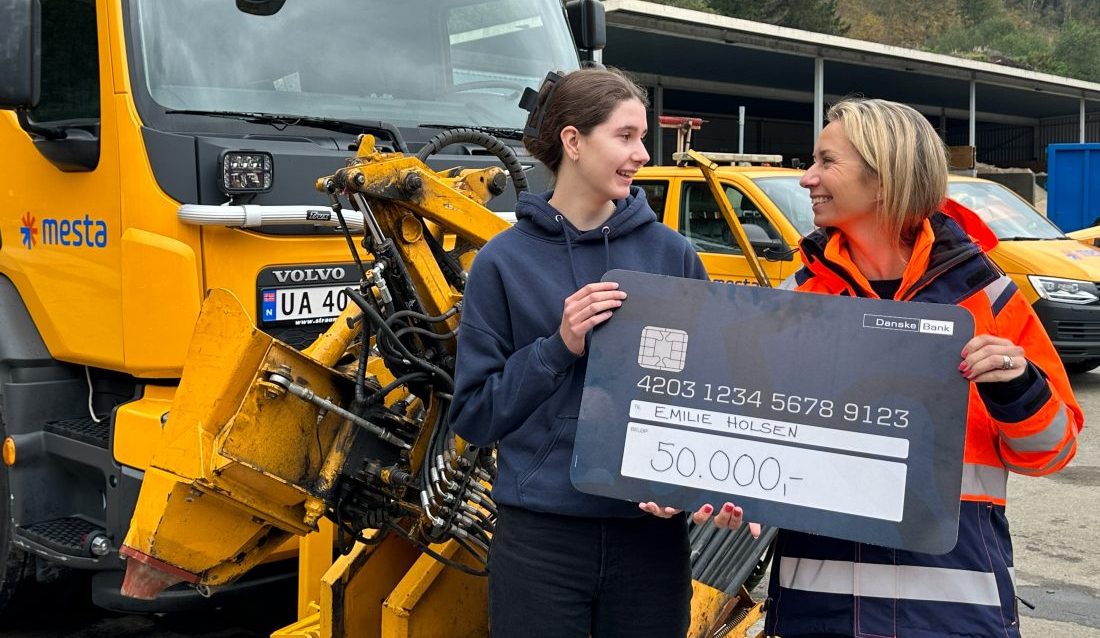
(1079, 367)
(13, 562)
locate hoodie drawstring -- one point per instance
(606, 230)
(569, 247)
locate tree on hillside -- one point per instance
(989, 32)
(975, 12)
(1077, 51)
(1067, 11)
(907, 24)
(769, 11)
(1054, 36)
(697, 5)
(820, 16)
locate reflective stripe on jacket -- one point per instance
(827, 585)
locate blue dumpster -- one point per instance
(1073, 185)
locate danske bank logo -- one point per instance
(909, 324)
(57, 231)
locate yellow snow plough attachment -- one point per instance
(345, 443)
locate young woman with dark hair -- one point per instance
(565, 563)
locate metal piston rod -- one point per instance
(306, 394)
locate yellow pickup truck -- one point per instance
(1056, 273)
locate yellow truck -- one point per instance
(188, 313)
(154, 150)
(1057, 274)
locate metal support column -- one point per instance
(740, 129)
(1081, 120)
(973, 133)
(973, 138)
(819, 95)
(655, 130)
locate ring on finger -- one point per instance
(1007, 363)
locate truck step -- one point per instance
(83, 429)
(70, 535)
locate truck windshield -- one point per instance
(1008, 216)
(409, 62)
(791, 199)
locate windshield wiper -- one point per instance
(280, 122)
(495, 131)
(1020, 238)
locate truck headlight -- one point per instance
(1064, 290)
(246, 172)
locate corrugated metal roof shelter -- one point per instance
(703, 64)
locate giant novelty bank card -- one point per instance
(832, 415)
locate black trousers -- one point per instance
(554, 576)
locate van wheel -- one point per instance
(1080, 367)
(13, 563)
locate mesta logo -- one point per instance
(29, 230)
(85, 231)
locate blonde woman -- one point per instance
(877, 185)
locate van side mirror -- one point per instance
(773, 250)
(589, 25)
(766, 247)
(20, 53)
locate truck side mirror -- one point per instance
(20, 53)
(260, 7)
(588, 23)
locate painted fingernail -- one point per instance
(962, 366)
(964, 352)
(737, 511)
(727, 508)
(707, 509)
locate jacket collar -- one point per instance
(941, 244)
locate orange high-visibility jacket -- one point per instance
(825, 585)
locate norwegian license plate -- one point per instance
(303, 295)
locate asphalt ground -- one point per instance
(1054, 525)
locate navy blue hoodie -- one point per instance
(516, 383)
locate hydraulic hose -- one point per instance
(484, 140)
